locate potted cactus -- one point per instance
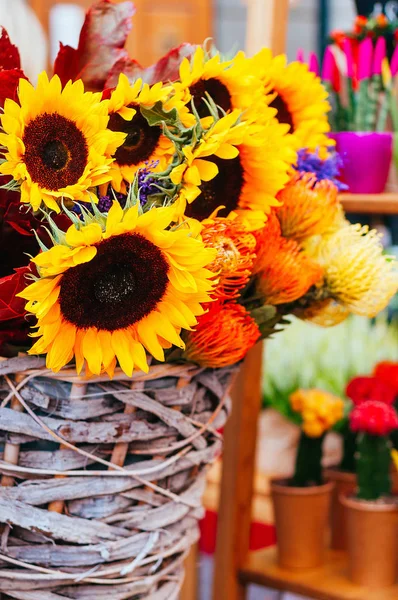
(302, 541)
(358, 390)
(372, 514)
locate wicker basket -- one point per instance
(104, 494)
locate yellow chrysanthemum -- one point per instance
(231, 84)
(56, 141)
(144, 144)
(110, 290)
(299, 97)
(236, 165)
(356, 273)
(319, 410)
(309, 207)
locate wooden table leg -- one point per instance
(234, 516)
(189, 589)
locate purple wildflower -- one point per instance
(328, 168)
(105, 202)
(146, 183)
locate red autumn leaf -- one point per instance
(165, 70)
(10, 306)
(168, 67)
(9, 54)
(101, 45)
(66, 64)
(9, 81)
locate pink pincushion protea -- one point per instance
(374, 417)
(362, 389)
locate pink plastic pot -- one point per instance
(366, 160)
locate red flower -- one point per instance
(388, 373)
(362, 389)
(376, 418)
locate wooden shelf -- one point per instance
(325, 583)
(386, 204)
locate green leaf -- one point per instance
(263, 314)
(156, 115)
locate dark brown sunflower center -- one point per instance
(224, 190)
(284, 115)
(141, 141)
(122, 284)
(55, 155)
(218, 92)
(56, 151)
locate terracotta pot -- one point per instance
(372, 542)
(301, 517)
(344, 485)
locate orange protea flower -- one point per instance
(223, 336)
(308, 207)
(235, 247)
(286, 274)
(268, 241)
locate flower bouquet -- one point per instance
(302, 542)
(156, 224)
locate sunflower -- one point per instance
(356, 273)
(111, 288)
(236, 165)
(223, 336)
(144, 143)
(56, 141)
(231, 84)
(286, 273)
(235, 247)
(299, 97)
(308, 207)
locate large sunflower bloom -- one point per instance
(223, 336)
(144, 144)
(356, 273)
(285, 272)
(237, 166)
(56, 141)
(235, 247)
(299, 97)
(109, 291)
(231, 84)
(308, 207)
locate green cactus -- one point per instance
(373, 466)
(308, 469)
(348, 462)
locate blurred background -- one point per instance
(162, 24)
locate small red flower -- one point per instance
(362, 389)
(376, 418)
(388, 373)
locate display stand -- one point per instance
(235, 566)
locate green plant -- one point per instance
(318, 412)
(373, 421)
(307, 356)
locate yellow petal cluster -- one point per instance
(356, 272)
(300, 93)
(320, 410)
